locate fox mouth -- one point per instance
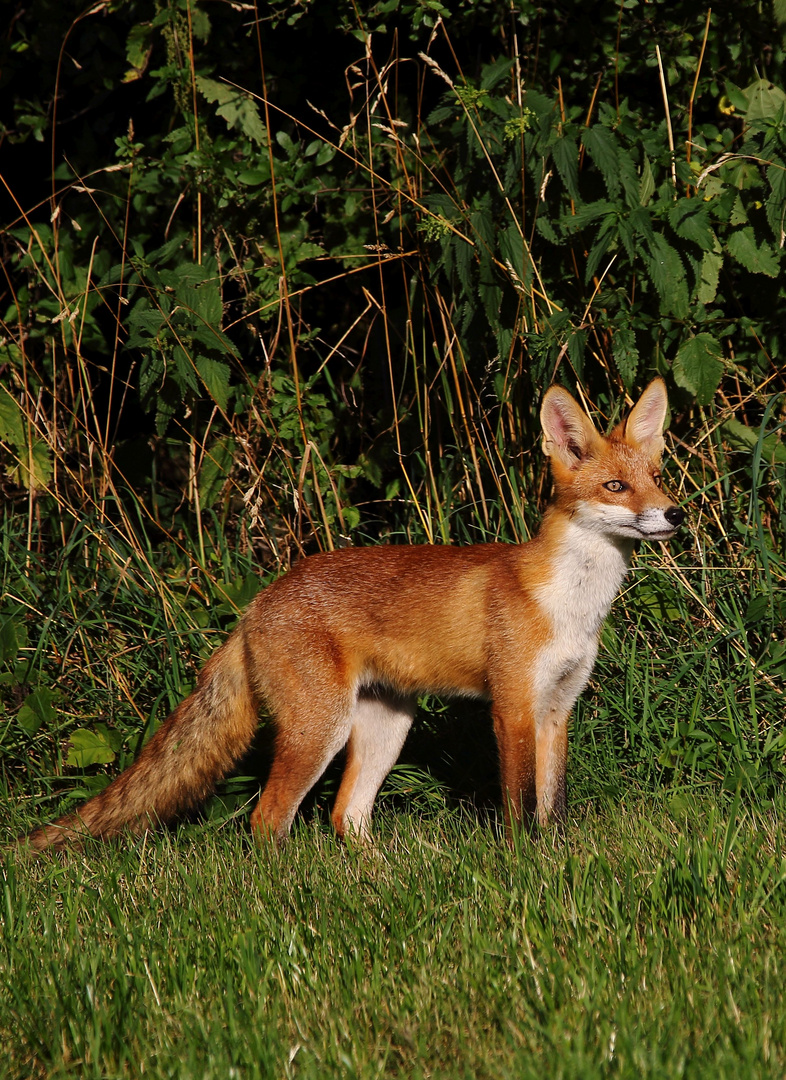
(662, 534)
(639, 532)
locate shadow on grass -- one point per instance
(448, 760)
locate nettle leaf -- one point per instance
(626, 354)
(511, 248)
(12, 428)
(758, 258)
(238, 109)
(630, 179)
(606, 234)
(577, 343)
(464, 261)
(183, 370)
(667, 273)
(738, 214)
(152, 371)
(690, 219)
(215, 469)
(204, 301)
(215, 376)
(32, 465)
(546, 230)
(589, 212)
(495, 73)
(640, 220)
(709, 276)
(566, 158)
(698, 367)
(776, 202)
(601, 146)
(144, 323)
(647, 183)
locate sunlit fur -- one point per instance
(337, 650)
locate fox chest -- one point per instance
(575, 601)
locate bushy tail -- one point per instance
(194, 748)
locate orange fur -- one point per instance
(337, 650)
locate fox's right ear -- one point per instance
(569, 435)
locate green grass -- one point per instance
(647, 942)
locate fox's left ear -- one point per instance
(644, 426)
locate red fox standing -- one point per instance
(337, 650)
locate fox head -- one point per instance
(611, 484)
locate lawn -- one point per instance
(647, 941)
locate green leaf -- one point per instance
(12, 634)
(647, 182)
(606, 234)
(12, 428)
(626, 354)
(215, 376)
(238, 109)
(737, 97)
(698, 367)
(758, 258)
(511, 247)
(494, 73)
(745, 438)
(204, 301)
(138, 48)
(37, 710)
(601, 146)
(34, 467)
(765, 100)
(776, 203)
(253, 177)
(90, 747)
(589, 212)
(690, 219)
(215, 469)
(667, 274)
(326, 154)
(566, 159)
(710, 274)
(576, 345)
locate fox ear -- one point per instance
(568, 433)
(644, 426)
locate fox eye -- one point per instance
(615, 485)
(658, 480)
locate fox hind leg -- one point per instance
(309, 734)
(380, 723)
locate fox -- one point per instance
(337, 650)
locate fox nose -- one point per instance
(675, 516)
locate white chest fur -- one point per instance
(587, 571)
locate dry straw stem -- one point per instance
(688, 142)
(665, 93)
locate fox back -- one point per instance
(337, 650)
